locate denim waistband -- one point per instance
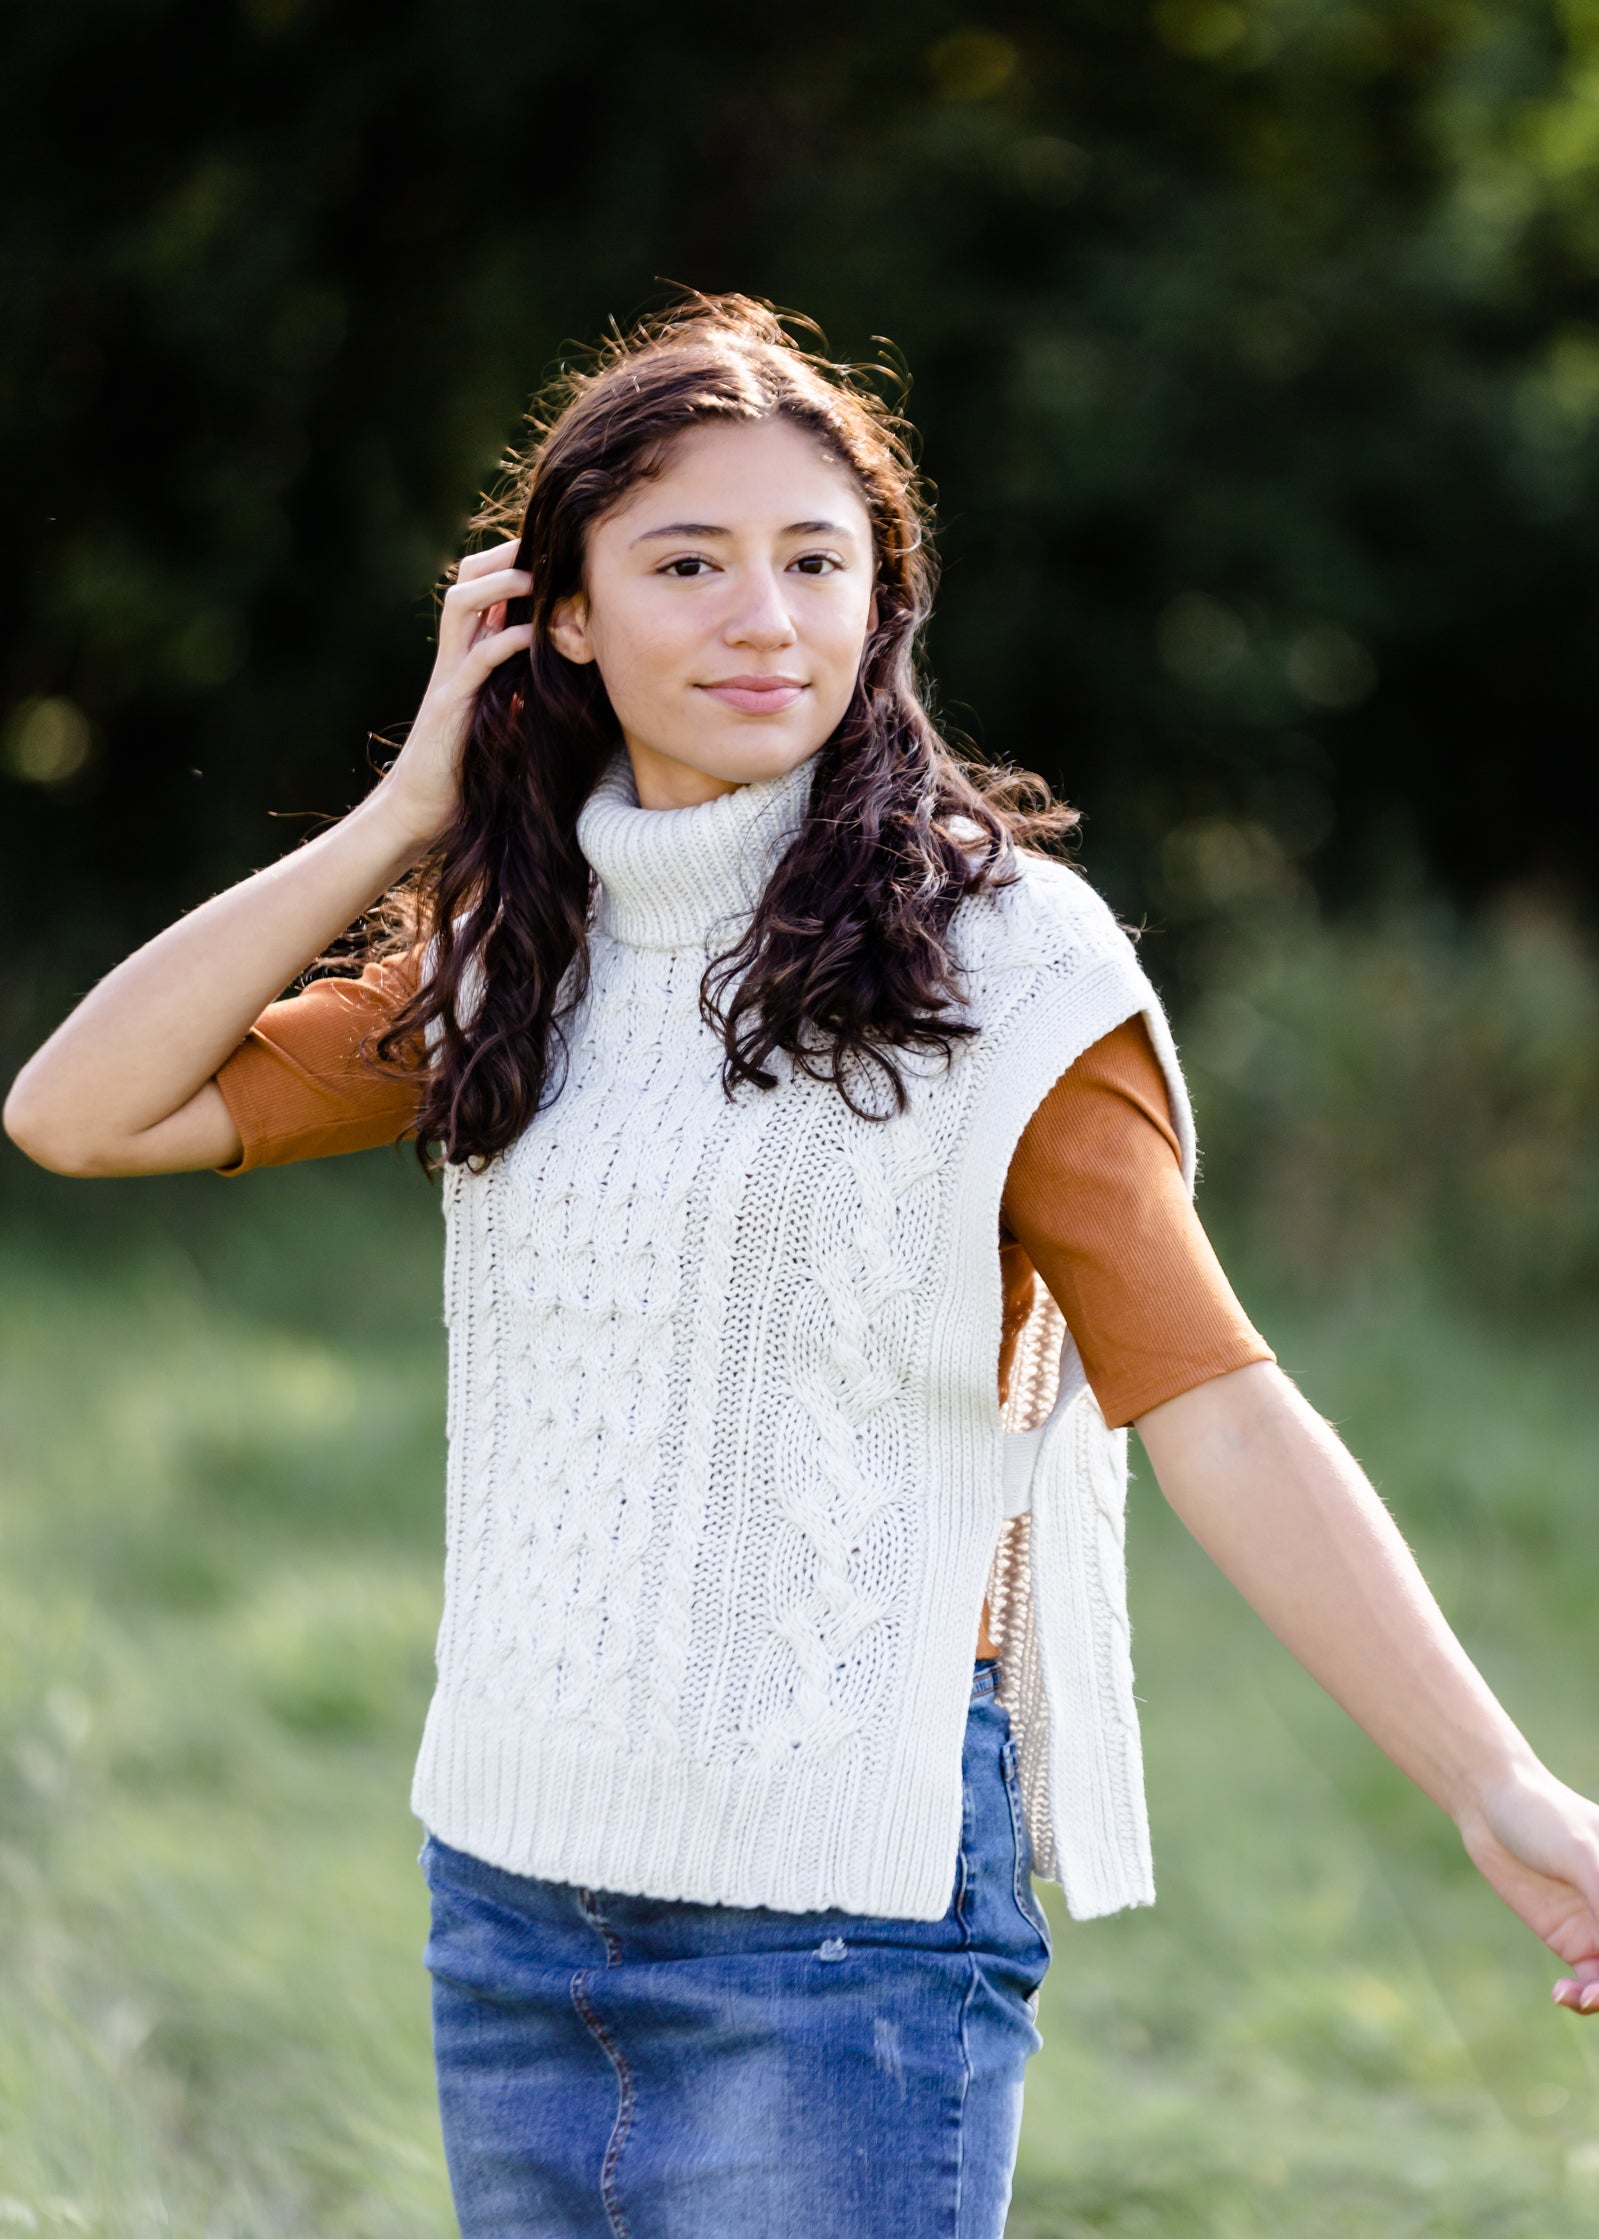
(985, 1677)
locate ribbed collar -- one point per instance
(680, 878)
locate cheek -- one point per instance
(637, 649)
(841, 632)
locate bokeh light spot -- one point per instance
(1201, 29)
(47, 741)
(972, 65)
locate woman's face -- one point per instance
(727, 603)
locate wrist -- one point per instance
(405, 826)
(1480, 1790)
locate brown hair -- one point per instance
(846, 955)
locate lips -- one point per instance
(756, 695)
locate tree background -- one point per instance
(1255, 348)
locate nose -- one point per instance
(761, 618)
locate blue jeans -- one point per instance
(632, 2068)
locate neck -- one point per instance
(661, 782)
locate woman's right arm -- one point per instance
(125, 1084)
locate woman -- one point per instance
(767, 1058)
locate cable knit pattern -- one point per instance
(725, 1458)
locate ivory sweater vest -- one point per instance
(727, 1477)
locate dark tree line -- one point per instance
(1256, 352)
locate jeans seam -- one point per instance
(589, 1907)
(610, 2200)
(963, 1883)
(1027, 1904)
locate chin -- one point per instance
(777, 761)
(746, 760)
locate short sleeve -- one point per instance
(1096, 1200)
(300, 1086)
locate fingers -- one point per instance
(491, 589)
(1579, 1991)
(472, 611)
(490, 651)
(487, 562)
(472, 638)
(1577, 1997)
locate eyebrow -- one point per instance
(708, 529)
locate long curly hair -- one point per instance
(846, 957)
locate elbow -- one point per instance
(23, 1122)
(40, 1135)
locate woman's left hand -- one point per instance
(1271, 1492)
(1536, 1842)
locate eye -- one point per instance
(689, 565)
(818, 563)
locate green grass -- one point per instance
(220, 1552)
(1328, 2025)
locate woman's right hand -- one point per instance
(422, 784)
(126, 1085)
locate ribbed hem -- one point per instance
(791, 1837)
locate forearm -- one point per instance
(154, 1031)
(1278, 1502)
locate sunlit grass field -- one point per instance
(220, 1556)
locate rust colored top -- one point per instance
(1094, 1201)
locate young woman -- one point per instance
(768, 1059)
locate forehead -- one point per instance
(747, 473)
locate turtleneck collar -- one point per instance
(686, 878)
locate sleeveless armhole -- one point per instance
(1095, 1201)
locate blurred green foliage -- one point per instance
(1256, 345)
(1404, 1095)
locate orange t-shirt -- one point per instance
(1094, 1199)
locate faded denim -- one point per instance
(629, 2068)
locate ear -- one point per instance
(569, 628)
(871, 617)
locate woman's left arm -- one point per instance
(1276, 1499)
